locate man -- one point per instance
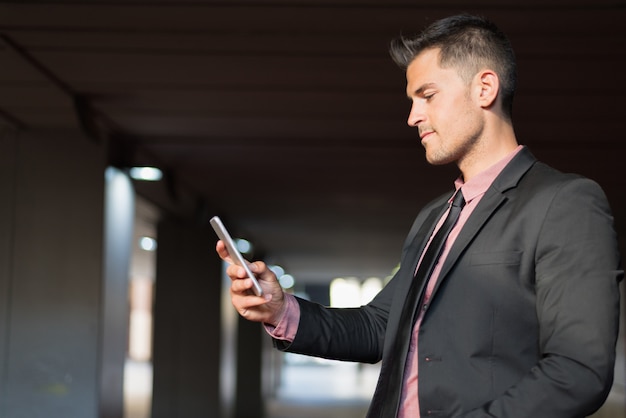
(519, 315)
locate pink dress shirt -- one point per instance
(473, 191)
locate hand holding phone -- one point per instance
(234, 253)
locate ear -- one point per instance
(487, 88)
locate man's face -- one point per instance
(449, 121)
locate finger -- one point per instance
(260, 270)
(249, 306)
(220, 247)
(241, 285)
(236, 272)
(246, 302)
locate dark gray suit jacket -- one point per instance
(524, 319)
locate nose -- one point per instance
(416, 115)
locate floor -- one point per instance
(318, 389)
(324, 389)
(309, 389)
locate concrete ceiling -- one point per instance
(287, 118)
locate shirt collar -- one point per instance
(479, 184)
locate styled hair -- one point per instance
(468, 44)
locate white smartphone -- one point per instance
(234, 253)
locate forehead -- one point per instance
(425, 69)
(425, 63)
(429, 56)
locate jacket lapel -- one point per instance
(493, 199)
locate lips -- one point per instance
(423, 135)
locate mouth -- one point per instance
(424, 135)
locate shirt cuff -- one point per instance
(288, 321)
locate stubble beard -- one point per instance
(459, 152)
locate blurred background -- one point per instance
(285, 118)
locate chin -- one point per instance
(438, 159)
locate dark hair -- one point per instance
(468, 44)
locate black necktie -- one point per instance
(386, 402)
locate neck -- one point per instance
(494, 145)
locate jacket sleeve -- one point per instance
(577, 303)
(350, 334)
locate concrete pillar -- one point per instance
(8, 151)
(51, 246)
(119, 215)
(249, 394)
(187, 323)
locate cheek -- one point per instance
(460, 115)
(445, 119)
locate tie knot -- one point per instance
(458, 200)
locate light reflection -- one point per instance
(350, 292)
(145, 173)
(287, 281)
(345, 293)
(369, 289)
(244, 246)
(147, 244)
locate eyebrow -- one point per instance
(421, 89)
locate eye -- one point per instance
(429, 96)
